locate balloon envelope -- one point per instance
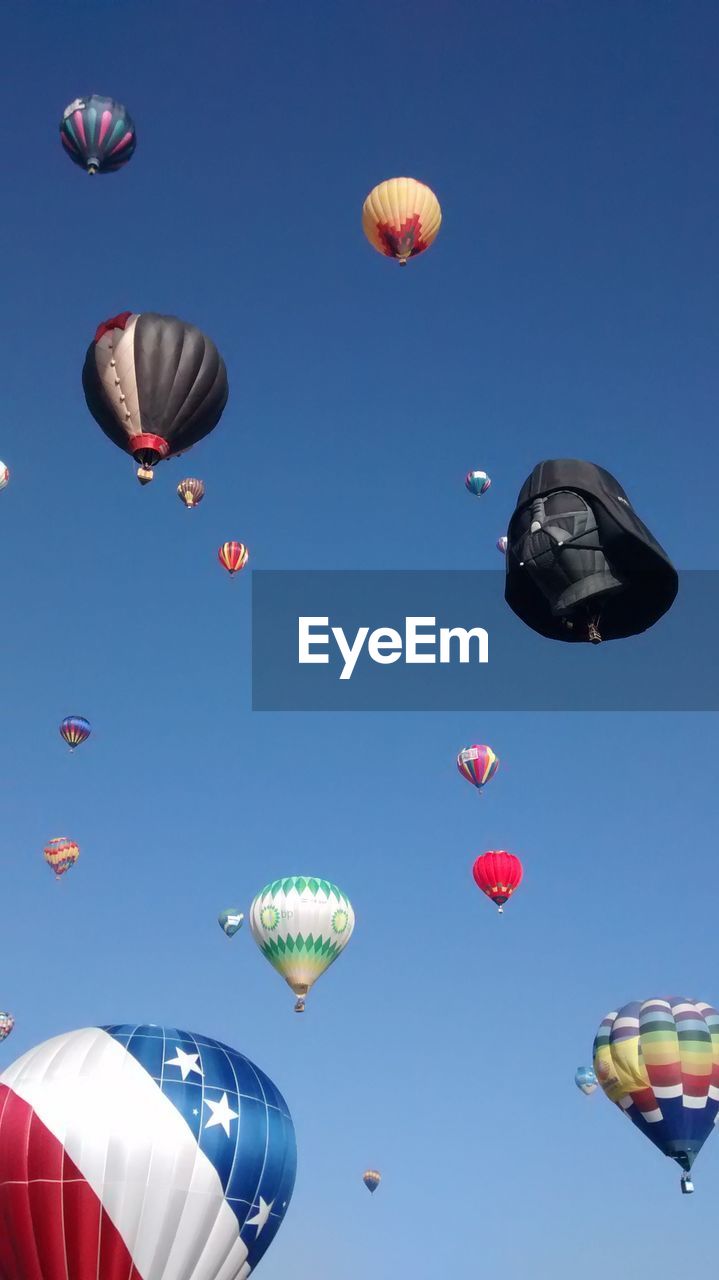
(191, 491)
(4, 475)
(658, 1060)
(7, 1022)
(230, 921)
(140, 1152)
(502, 545)
(478, 482)
(372, 1180)
(61, 854)
(75, 730)
(497, 873)
(154, 384)
(301, 925)
(478, 764)
(401, 218)
(585, 1079)
(233, 556)
(97, 134)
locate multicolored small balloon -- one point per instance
(301, 925)
(478, 482)
(497, 873)
(61, 854)
(233, 556)
(586, 1080)
(191, 492)
(502, 544)
(97, 134)
(75, 730)
(7, 1022)
(4, 475)
(230, 921)
(478, 764)
(371, 1179)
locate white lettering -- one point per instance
(413, 639)
(385, 646)
(350, 655)
(447, 634)
(305, 639)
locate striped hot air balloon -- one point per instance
(7, 1022)
(498, 873)
(478, 482)
(4, 475)
(233, 556)
(140, 1153)
(97, 134)
(191, 491)
(478, 764)
(371, 1179)
(401, 218)
(75, 730)
(61, 854)
(658, 1060)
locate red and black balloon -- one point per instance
(155, 385)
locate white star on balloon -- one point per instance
(260, 1218)
(187, 1062)
(222, 1113)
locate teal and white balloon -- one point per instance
(301, 925)
(477, 482)
(585, 1079)
(230, 921)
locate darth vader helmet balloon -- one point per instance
(581, 566)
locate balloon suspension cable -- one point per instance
(300, 1006)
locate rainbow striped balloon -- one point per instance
(658, 1060)
(478, 764)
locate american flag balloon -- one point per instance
(140, 1153)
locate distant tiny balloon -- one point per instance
(230, 921)
(233, 556)
(372, 1180)
(502, 545)
(7, 1022)
(585, 1079)
(477, 482)
(191, 492)
(478, 764)
(401, 218)
(97, 134)
(4, 475)
(497, 873)
(61, 854)
(75, 730)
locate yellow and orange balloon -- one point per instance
(401, 218)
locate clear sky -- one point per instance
(568, 308)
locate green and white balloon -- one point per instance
(301, 924)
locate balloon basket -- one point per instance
(300, 1006)
(687, 1185)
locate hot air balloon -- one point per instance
(585, 1079)
(301, 925)
(7, 1022)
(230, 921)
(140, 1152)
(191, 492)
(75, 730)
(154, 384)
(658, 1060)
(233, 556)
(498, 873)
(4, 475)
(478, 482)
(478, 764)
(97, 134)
(61, 854)
(401, 218)
(371, 1180)
(502, 545)
(581, 566)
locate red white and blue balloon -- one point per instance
(140, 1153)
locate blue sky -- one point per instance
(568, 308)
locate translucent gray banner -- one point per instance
(365, 649)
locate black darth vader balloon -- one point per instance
(581, 566)
(155, 384)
